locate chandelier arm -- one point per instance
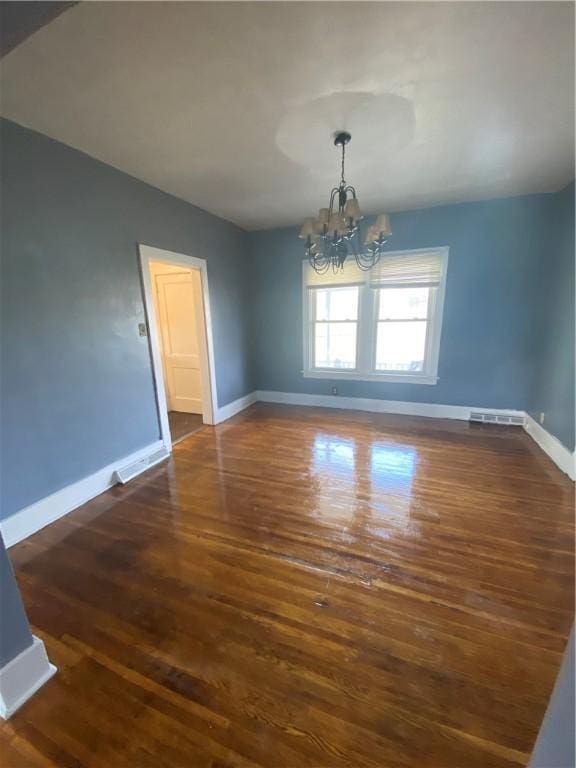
(353, 245)
(335, 191)
(319, 261)
(369, 260)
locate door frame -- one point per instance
(150, 253)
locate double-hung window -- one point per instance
(336, 327)
(381, 325)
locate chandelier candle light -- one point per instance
(336, 233)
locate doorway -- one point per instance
(178, 310)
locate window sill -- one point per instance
(383, 378)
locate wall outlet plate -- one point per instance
(542, 417)
(334, 390)
(142, 329)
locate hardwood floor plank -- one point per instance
(305, 588)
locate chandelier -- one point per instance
(337, 234)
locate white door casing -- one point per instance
(148, 255)
(178, 297)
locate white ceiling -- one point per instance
(232, 105)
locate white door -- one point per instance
(177, 296)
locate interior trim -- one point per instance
(560, 455)
(150, 253)
(227, 411)
(23, 676)
(382, 378)
(433, 410)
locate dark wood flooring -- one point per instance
(183, 424)
(305, 588)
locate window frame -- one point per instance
(313, 320)
(366, 330)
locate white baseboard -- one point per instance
(560, 455)
(433, 410)
(31, 519)
(23, 676)
(227, 411)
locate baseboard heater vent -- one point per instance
(124, 474)
(497, 418)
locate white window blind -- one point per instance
(420, 268)
(411, 269)
(350, 275)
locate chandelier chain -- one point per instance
(342, 179)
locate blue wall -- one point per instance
(77, 387)
(487, 349)
(554, 339)
(15, 635)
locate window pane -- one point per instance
(336, 303)
(403, 303)
(400, 346)
(335, 345)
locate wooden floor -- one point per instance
(183, 424)
(305, 588)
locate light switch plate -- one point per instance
(142, 329)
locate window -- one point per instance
(381, 325)
(335, 327)
(401, 329)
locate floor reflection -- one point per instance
(334, 476)
(392, 467)
(334, 453)
(368, 486)
(392, 471)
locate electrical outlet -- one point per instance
(142, 330)
(334, 390)
(542, 417)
